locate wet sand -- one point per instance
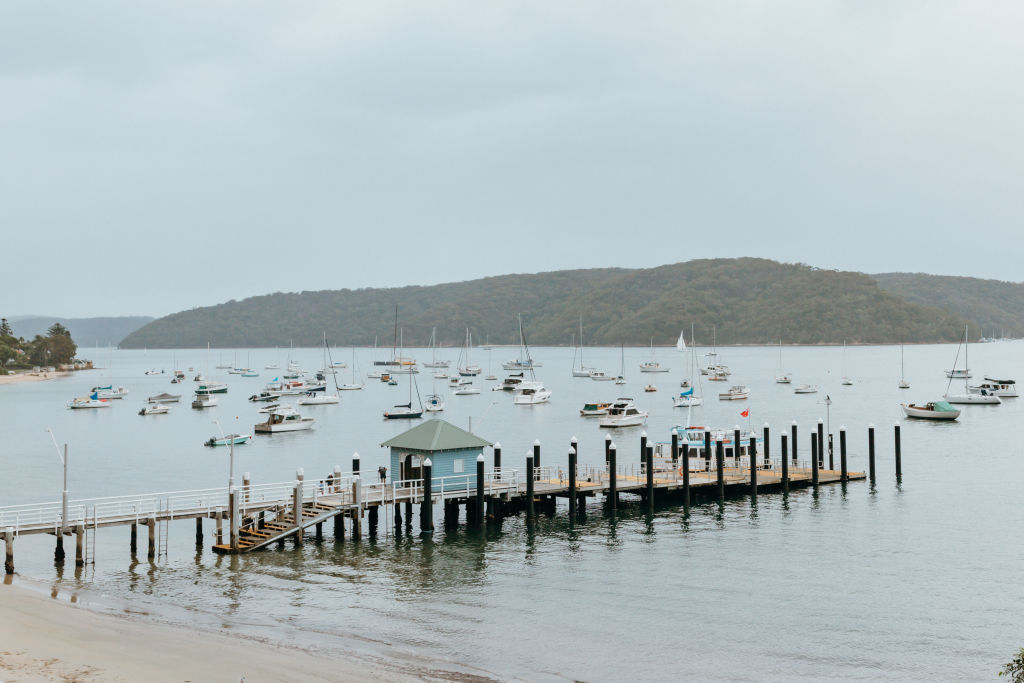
(47, 639)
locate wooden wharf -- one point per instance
(258, 515)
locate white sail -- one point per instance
(681, 343)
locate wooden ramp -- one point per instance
(253, 536)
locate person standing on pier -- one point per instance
(383, 472)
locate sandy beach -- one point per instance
(47, 639)
(26, 377)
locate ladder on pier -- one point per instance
(253, 537)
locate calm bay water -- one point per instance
(912, 582)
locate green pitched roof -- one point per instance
(436, 435)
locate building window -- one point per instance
(459, 467)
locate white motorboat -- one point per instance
(805, 389)
(250, 373)
(434, 404)
(595, 409)
(512, 382)
(935, 410)
(229, 440)
(318, 398)
(1003, 388)
(531, 393)
(982, 398)
(714, 375)
(350, 387)
(91, 401)
(466, 389)
(441, 375)
(519, 364)
(212, 388)
(204, 401)
(784, 378)
(958, 373)
(154, 371)
(269, 408)
(599, 376)
(164, 398)
(736, 392)
(284, 419)
(109, 392)
(155, 410)
(623, 413)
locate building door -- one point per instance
(412, 466)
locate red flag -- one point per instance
(745, 413)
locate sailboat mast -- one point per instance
(581, 341)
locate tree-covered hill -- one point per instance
(995, 307)
(743, 300)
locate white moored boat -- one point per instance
(284, 419)
(109, 392)
(88, 402)
(318, 398)
(968, 396)
(935, 410)
(164, 398)
(466, 389)
(1003, 388)
(434, 404)
(204, 401)
(737, 392)
(531, 393)
(623, 413)
(805, 389)
(154, 410)
(595, 409)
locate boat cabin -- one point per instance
(452, 452)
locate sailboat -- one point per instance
(715, 370)
(621, 379)
(405, 411)
(353, 385)
(533, 391)
(904, 384)
(846, 380)
(466, 367)
(783, 377)
(524, 362)
(434, 362)
(652, 365)
(980, 397)
(581, 371)
(322, 398)
(687, 398)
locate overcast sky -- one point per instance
(158, 156)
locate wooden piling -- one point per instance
(426, 509)
(831, 452)
(752, 449)
(479, 511)
(9, 550)
(408, 514)
(529, 487)
(720, 466)
(233, 517)
(784, 460)
(199, 533)
(572, 478)
(297, 513)
(767, 445)
(675, 449)
(793, 437)
(685, 466)
(899, 455)
(58, 552)
(643, 446)
(843, 474)
(613, 493)
(497, 461)
(357, 512)
(220, 526)
(707, 449)
(355, 464)
(133, 541)
(649, 466)
(536, 453)
(607, 446)
(339, 525)
(151, 532)
(814, 460)
(374, 519)
(319, 537)
(871, 453)
(821, 443)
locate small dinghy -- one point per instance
(155, 410)
(233, 439)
